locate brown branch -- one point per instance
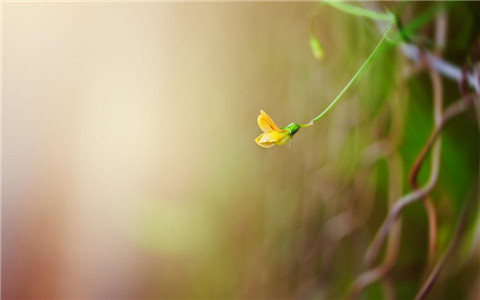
(441, 66)
(432, 228)
(388, 289)
(382, 270)
(453, 110)
(462, 222)
(413, 176)
(427, 286)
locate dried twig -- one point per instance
(453, 110)
(374, 274)
(427, 286)
(381, 271)
(439, 65)
(413, 176)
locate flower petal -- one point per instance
(285, 138)
(271, 136)
(266, 123)
(263, 144)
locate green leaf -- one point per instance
(316, 47)
(358, 11)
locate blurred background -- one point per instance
(130, 169)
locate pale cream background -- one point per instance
(117, 114)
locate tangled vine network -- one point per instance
(467, 78)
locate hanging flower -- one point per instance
(272, 135)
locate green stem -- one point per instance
(367, 62)
(358, 11)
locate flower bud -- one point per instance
(292, 128)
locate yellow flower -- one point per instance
(272, 135)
